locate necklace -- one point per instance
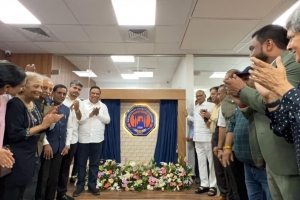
(28, 105)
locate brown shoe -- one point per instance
(219, 198)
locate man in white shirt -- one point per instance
(72, 102)
(202, 139)
(91, 128)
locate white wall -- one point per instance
(179, 78)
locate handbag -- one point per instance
(4, 170)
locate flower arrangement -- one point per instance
(142, 176)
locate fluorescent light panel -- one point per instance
(122, 58)
(144, 74)
(135, 12)
(87, 73)
(13, 12)
(283, 18)
(129, 76)
(218, 75)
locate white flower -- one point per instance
(86, 187)
(163, 163)
(132, 163)
(149, 187)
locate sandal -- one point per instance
(212, 191)
(201, 190)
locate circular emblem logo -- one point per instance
(139, 120)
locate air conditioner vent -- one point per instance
(137, 35)
(37, 31)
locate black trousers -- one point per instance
(91, 151)
(75, 165)
(236, 179)
(48, 176)
(220, 175)
(65, 170)
(29, 193)
(12, 193)
(196, 163)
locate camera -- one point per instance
(8, 53)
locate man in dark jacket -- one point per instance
(56, 145)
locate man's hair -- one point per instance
(76, 82)
(11, 75)
(232, 71)
(59, 86)
(222, 86)
(95, 87)
(274, 32)
(214, 88)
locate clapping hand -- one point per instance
(53, 109)
(95, 111)
(271, 78)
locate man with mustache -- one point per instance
(57, 139)
(71, 101)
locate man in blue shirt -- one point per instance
(56, 145)
(238, 133)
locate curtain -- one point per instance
(111, 145)
(165, 150)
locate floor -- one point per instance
(187, 195)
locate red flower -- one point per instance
(110, 171)
(152, 183)
(179, 184)
(107, 185)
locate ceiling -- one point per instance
(89, 27)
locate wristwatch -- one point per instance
(68, 146)
(78, 111)
(273, 104)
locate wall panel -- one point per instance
(43, 62)
(66, 75)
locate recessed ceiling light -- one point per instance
(135, 12)
(129, 76)
(281, 20)
(87, 73)
(144, 74)
(122, 58)
(13, 12)
(218, 75)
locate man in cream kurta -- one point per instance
(202, 139)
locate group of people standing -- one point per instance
(249, 133)
(42, 125)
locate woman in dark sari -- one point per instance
(23, 123)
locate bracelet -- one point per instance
(27, 132)
(78, 111)
(227, 147)
(273, 104)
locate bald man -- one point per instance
(202, 139)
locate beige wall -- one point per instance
(138, 148)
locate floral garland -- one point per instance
(142, 176)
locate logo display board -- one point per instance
(140, 120)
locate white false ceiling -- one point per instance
(89, 27)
